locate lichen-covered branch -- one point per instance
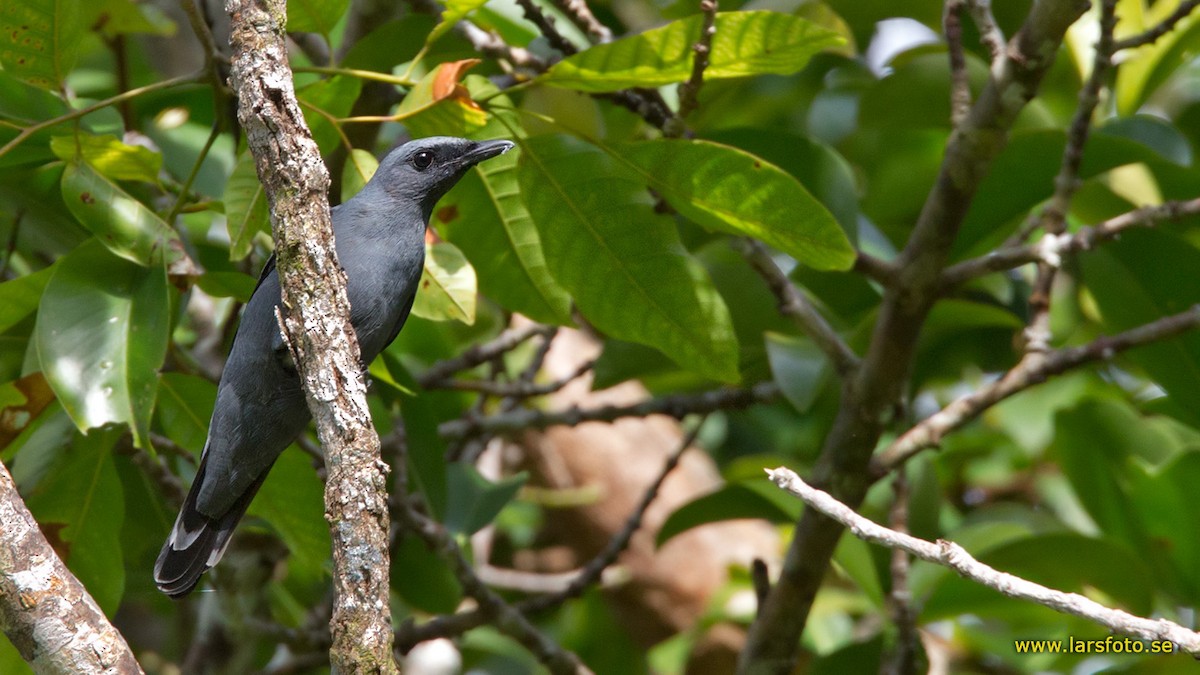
(44, 610)
(317, 317)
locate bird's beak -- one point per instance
(486, 150)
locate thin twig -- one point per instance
(689, 91)
(517, 389)
(480, 354)
(960, 86)
(1162, 28)
(903, 655)
(545, 26)
(1033, 369)
(678, 406)
(989, 31)
(796, 307)
(1051, 249)
(953, 556)
(580, 15)
(186, 188)
(87, 110)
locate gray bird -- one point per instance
(260, 408)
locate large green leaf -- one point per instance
(245, 207)
(185, 404)
(109, 156)
(25, 103)
(746, 43)
(125, 225)
(624, 265)
(726, 189)
(334, 97)
(315, 16)
(485, 217)
(473, 501)
(447, 288)
(1137, 280)
(102, 336)
(80, 504)
(19, 297)
(292, 500)
(39, 39)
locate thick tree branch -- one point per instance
(44, 610)
(867, 398)
(1034, 369)
(949, 554)
(318, 327)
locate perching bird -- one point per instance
(260, 408)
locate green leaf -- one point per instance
(456, 10)
(80, 505)
(25, 103)
(447, 289)
(102, 336)
(746, 43)
(334, 96)
(485, 217)
(109, 156)
(439, 105)
(292, 500)
(245, 207)
(798, 367)
(315, 16)
(728, 190)
(757, 498)
(623, 264)
(424, 581)
(360, 166)
(19, 297)
(1146, 68)
(39, 39)
(125, 225)
(472, 500)
(184, 407)
(389, 44)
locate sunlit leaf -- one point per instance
(1144, 69)
(245, 207)
(109, 156)
(447, 289)
(746, 43)
(729, 190)
(102, 336)
(439, 105)
(456, 10)
(125, 225)
(623, 264)
(39, 39)
(360, 166)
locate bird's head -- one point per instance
(424, 170)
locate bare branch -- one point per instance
(480, 354)
(519, 389)
(876, 269)
(690, 90)
(989, 31)
(678, 407)
(545, 26)
(1034, 369)
(960, 86)
(796, 307)
(580, 15)
(1051, 249)
(1165, 26)
(953, 556)
(44, 610)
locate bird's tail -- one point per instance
(197, 542)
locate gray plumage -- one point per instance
(260, 408)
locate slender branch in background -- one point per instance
(186, 188)
(989, 31)
(902, 656)
(314, 46)
(87, 110)
(53, 623)
(212, 54)
(1053, 218)
(480, 354)
(545, 26)
(953, 556)
(313, 289)
(519, 389)
(1165, 26)
(796, 307)
(689, 91)
(456, 624)
(678, 406)
(960, 85)
(876, 269)
(1052, 248)
(1034, 368)
(579, 14)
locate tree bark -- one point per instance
(316, 314)
(44, 610)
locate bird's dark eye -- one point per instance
(422, 160)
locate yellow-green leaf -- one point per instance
(109, 156)
(360, 166)
(39, 39)
(447, 288)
